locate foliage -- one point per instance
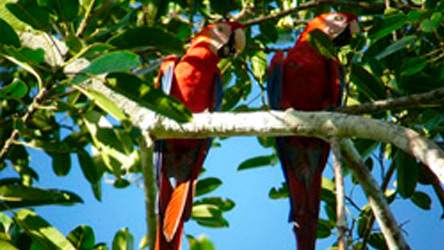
(43, 106)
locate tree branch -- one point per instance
(323, 125)
(340, 195)
(414, 100)
(312, 4)
(146, 151)
(377, 201)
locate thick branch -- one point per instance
(414, 100)
(312, 4)
(377, 201)
(278, 123)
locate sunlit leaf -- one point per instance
(13, 196)
(123, 240)
(41, 231)
(279, 193)
(5, 245)
(259, 64)
(201, 243)
(145, 95)
(322, 42)
(82, 237)
(16, 90)
(104, 103)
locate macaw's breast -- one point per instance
(306, 82)
(195, 81)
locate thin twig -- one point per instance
(308, 5)
(341, 219)
(84, 22)
(25, 119)
(415, 100)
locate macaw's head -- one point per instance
(339, 26)
(224, 39)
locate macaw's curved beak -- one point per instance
(344, 38)
(234, 46)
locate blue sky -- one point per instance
(256, 222)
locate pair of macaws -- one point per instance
(304, 80)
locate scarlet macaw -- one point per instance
(306, 80)
(195, 80)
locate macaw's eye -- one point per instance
(220, 28)
(339, 18)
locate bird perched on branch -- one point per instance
(195, 80)
(308, 80)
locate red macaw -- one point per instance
(306, 80)
(196, 81)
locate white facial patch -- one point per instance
(335, 25)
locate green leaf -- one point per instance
(430, 25)
(407, 168)
(123, 240)
(258, 161)
(117, 61)
(121, 183)
(26, 67)
(89, 169)
(322, 42)
(377, 241)
(279, 193)
(208, 215)
(30, 13)
(207, 185)
(41, 231)
(414, 15)
(396, 46)
(324, 228)
(146, 36)
(145, 95)
(82, 237)
(259, 64)
(387, 26)
(67, 10)
(201, 243)
(8, 37)
(104, 103)
(367, 83)
(16, 90)
(13, 196)
(413, 65)
(223, 205)
(5, 245)
(10, 18)
(421, 200)
(61, 163)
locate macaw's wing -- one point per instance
(218, 93)
(165, 77)
(274, 81)
(336, 77)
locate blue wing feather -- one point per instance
(219, 92)
(274, 81)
